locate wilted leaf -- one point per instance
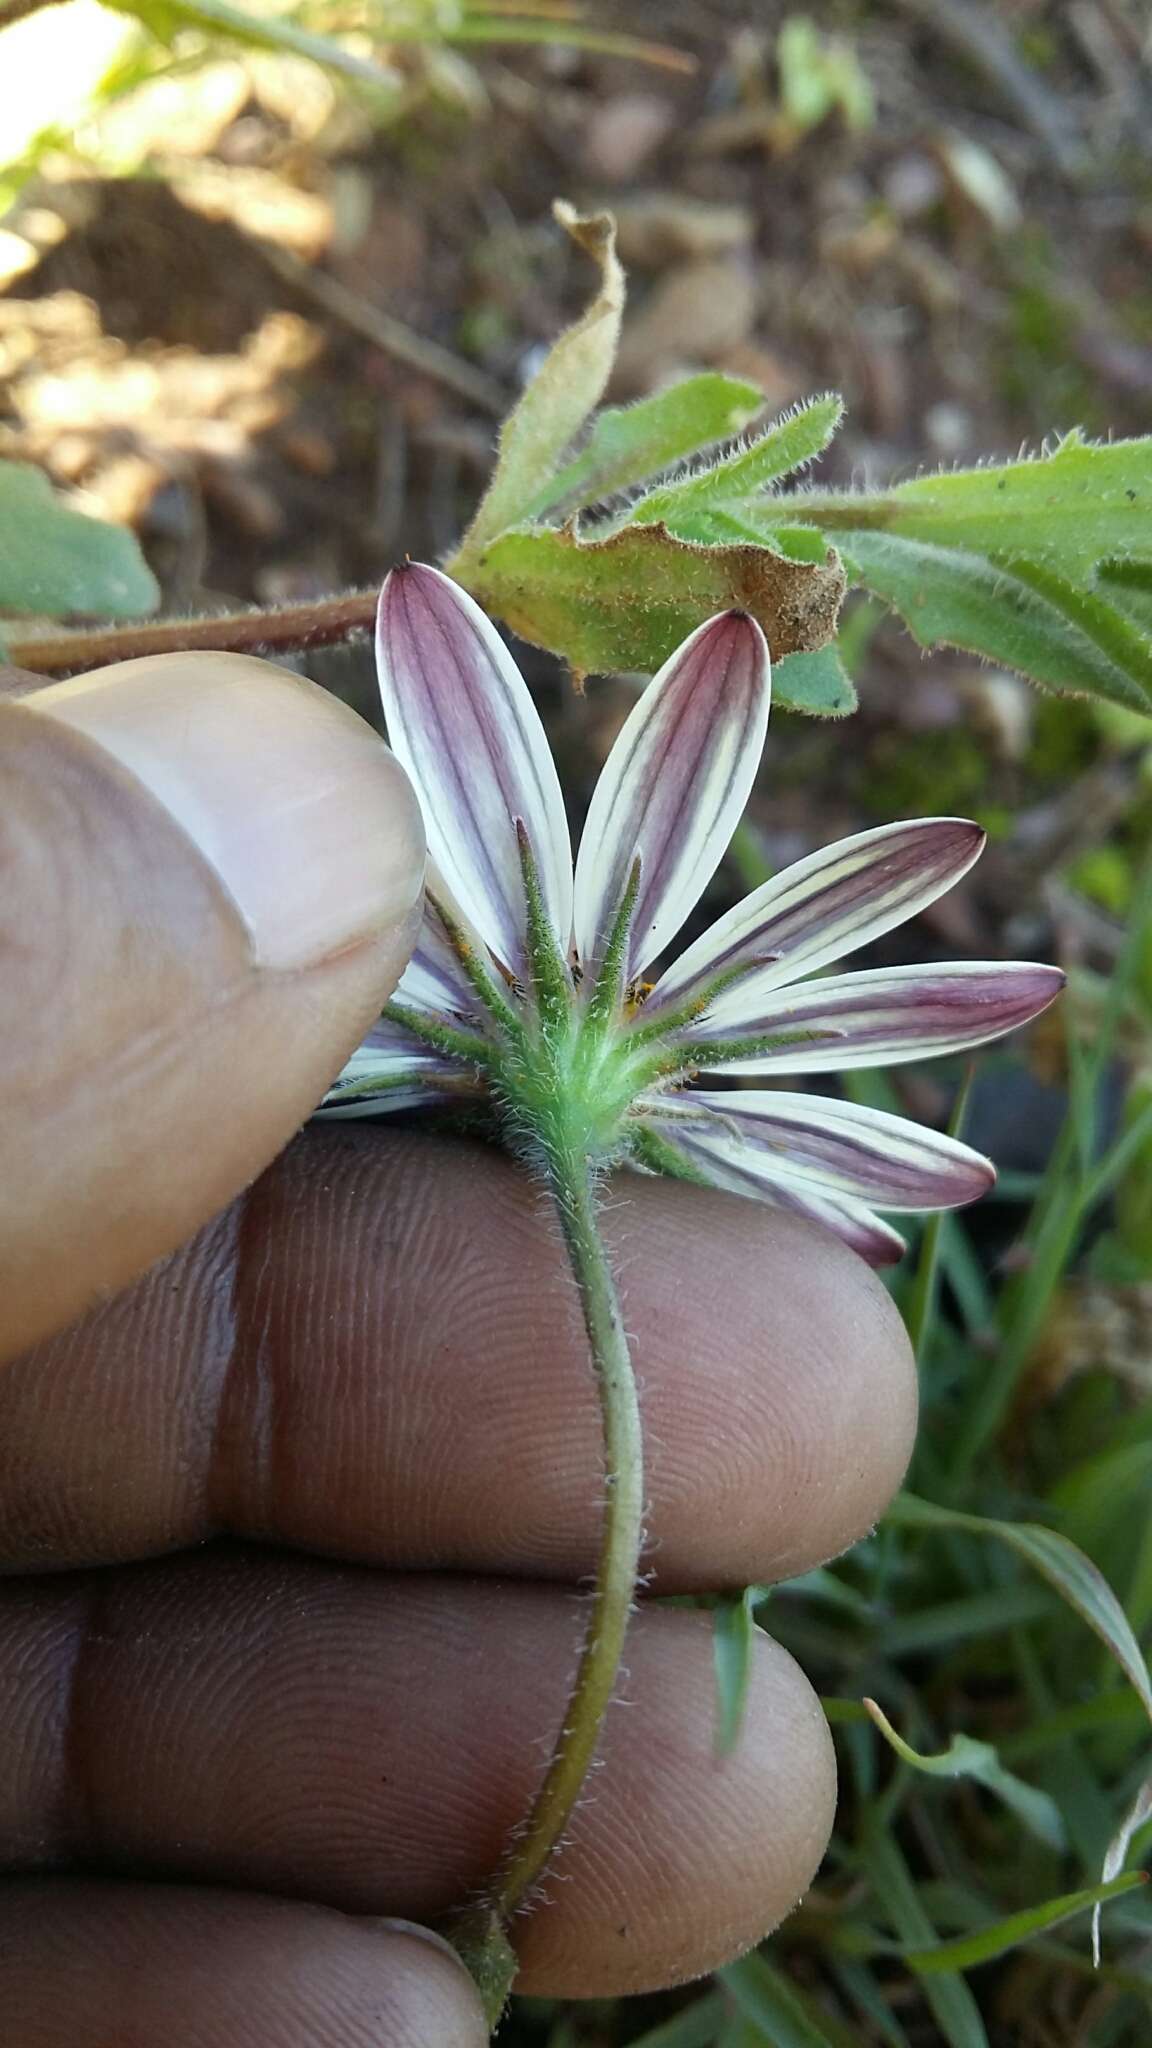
(967, 1758)
(1117, 1850)
(627, 601)
(971, 1949)
(56, 562)
(788, 445)
(569, 383)
(631, 443)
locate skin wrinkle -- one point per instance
(202, 1684)
(260, 1973)
(429, 1414)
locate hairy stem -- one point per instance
(621, 1535)
(285, 629)
(480, 1931)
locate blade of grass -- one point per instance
(779, 2011)
(955, 2010)
(973, 1949)
(920, 1314)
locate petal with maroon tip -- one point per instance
(710, 1148)
(673, 788)
(879, 1019)
(844, 1149)
(463, 724)
(824, 906)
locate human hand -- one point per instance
(219, 1767)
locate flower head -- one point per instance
(526, 993)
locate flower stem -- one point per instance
(620, 1541)
(480, 1931)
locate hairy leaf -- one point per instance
(568, 384)
(630, 443)
(788, 445)
(1128, 585)
(627, 601)
(1020, 614)
(817, 682)
(1071, 509)
(56, 562)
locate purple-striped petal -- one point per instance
(409, 1074)
(461, 720)
(434, 979)
(710, 1148)
(673, 787)
(879, 1019)
(835, 900)
(844, 1149)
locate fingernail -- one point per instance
(308, 821)
(417, 1933)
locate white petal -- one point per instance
(712, 1149)
(461, 720)
(434, 979)
(824, 906)
(412, 1095)
(838, 1146)
(673, 787)
(409, 1074)
(879, 1019)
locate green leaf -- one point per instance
(733, 1641)
(697, 2027)
(780, 2012)
(1085, 502)
(817, 683)
(629, 444)
(1074, 1576)
(165, 18)
(56, 562)
(627, 601)
(971, 1949)
(1128, 585)
(955, 2010)
(1018, 614)
(967, 1758)
(568, 384)
(792, 442)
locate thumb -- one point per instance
(210, 878)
